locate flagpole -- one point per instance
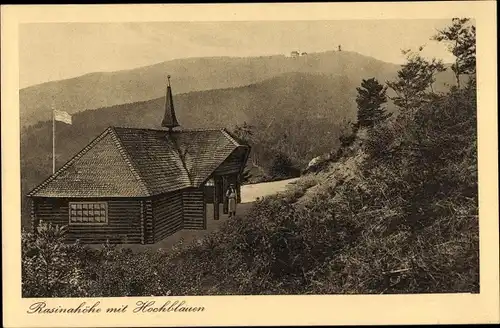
(53, 143)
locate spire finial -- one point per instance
(169, 119)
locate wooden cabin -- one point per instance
(132, 185)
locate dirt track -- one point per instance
(250, 192)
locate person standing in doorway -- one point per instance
(231, 195)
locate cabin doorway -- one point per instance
(209, 190)
(215, 191)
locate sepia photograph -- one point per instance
(308, 168)
(246, 157)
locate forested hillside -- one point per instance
(105, 89)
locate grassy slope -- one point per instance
(397, 213)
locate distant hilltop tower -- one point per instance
(297, 53)
(169, 120)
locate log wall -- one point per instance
(167, 214)
(123, 226)
(194, 209)
(130, 221)
(148, 222)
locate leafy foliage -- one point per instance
(244, 132)
(461, 39)
(246, 176)
(414, 81)
(283, 167)
(51, 268)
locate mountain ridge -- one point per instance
(193, 58)
(103, 89)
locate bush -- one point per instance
(50, 268)
(420, 207)
(282, 167)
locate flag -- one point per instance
(62, 116)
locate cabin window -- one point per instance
(210, 183)
(88, 213)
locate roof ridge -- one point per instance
(129, 161)
(199, 129)
(63, 168)
(230, 137)
(134, 128)
(164, 130)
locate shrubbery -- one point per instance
(419, 195)
(51, 268)
(283, 167)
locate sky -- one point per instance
(55, 51)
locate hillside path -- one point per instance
(249, 193)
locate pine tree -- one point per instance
(461, 39)
(370, 99)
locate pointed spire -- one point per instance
(169, 120)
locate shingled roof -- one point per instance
(130, 162)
